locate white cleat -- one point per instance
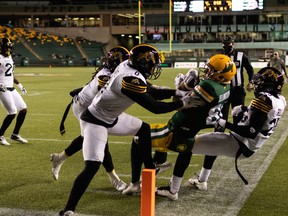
(194, 182)
(67, 213)
(165, 192)
(160, 168)
(56, 165)
(3, 141)
(132, 189)
(18, 138)
(119, 185)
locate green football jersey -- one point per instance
(186, 123)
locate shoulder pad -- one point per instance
(134, 84)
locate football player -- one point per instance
(254, 126)
(81, 100)
(185, 83)
(126, 86)
(179, 132)
(10, 99)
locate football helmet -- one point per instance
(219, 68)
(6, 47)
(115, 56)
(268, 79)
(146, 59)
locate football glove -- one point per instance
(237, 110)
(181, 93)
(192, 101)
(23, 90)
(249, 86)
(216, 121)
(178, 79)
(3, 88)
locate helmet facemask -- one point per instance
(116, 56)
(268, 80)
(147, 61)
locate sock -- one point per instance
(63, 156)
(113, 176)
(204, 174)
(175, 184)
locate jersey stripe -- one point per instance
(101, 83)
(261, 105)
(133, 87)
(204, 94)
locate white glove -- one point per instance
(192, 101)
(181, 93)
(178, 79)
(237, 110)
(191, 78)
(3, 88)
(249, 86)
(216, 121)
(23, 90)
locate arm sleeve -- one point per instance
(136, 90)
(259, 109)
(161, 94)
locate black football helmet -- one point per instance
(147, 60)
(268, 79)
(6, 47)
(115, 56)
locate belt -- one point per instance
(10, 88)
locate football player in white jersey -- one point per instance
(254, 126)
(10, 99)
(81, 100)
(126, 86)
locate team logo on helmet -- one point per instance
(219, 68)
(147, 60)
(268, 79)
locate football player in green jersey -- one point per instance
(179, 132)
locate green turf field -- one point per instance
(27, 186)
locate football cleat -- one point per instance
(133, 188)
(56, 165)
(18, 138)
(163, 167)
(119, 185)
(67, 213)
(3, 141)
(194, 182)
(165, 192)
